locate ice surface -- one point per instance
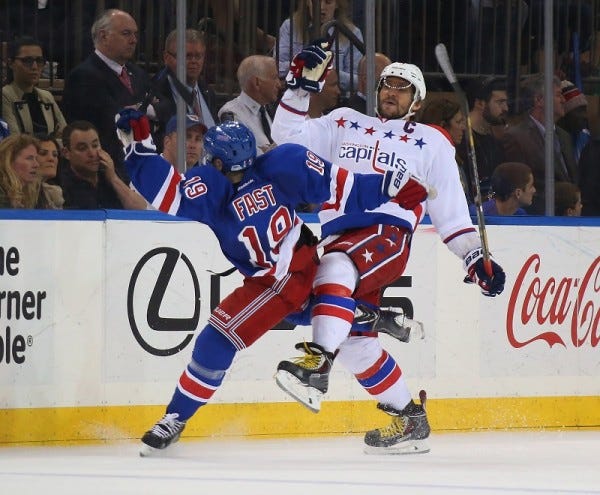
(515, 462)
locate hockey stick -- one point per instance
(442, 57)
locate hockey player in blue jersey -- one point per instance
(249, 203)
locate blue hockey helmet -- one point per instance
(233, 143)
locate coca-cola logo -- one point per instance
(547, 306)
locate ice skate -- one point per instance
(390, 321)
(162, 434)
(306, 378)
(406, 434)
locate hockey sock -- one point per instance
(332, 316)
(211, 358)
(384, 381)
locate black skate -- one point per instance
(306, 378)
(164, 433)
(390, 321)
(406, 434)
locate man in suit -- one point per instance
(199, 97)
(524, 142)
(107, 81)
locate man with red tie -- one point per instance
(107, 81)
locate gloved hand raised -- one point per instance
(406, 189)
(310, 67)
(133, 127)
(491, 285)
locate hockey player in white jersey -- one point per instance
(359, 261)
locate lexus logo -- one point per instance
(156, 334)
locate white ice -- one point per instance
(515, 462)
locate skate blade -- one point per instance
(307, 396)
(147, 451)
(403, 448)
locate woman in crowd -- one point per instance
(447, 116)
(25, 107)
(300, 27)
(48, 156)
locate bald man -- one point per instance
(358, 101)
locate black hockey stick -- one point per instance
(442, 57)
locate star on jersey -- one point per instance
(389, 134)
(420, 143)
(368, 256)
(341, 122)
(404, 138)
(370, 131)
(354, 125)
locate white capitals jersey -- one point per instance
(370, 145)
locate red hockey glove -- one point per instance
(133, 127)
(406, 189)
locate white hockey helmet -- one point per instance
(408, 72)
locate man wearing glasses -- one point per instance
(200, 99)
(26, 108)
(107, 80)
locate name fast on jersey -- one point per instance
(254, 201)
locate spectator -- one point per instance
(358, 99)
(25, 107)
(567, 200)
(48, 153)
(575, 119)
(19, 179)
(589, 178)
(512, 189)
(446, 115)
(488, 111)
(107, 81)
(199, 97)
(260, 86)
(90, 180)
(328, 99)
(346, 55)
(524, 142)
(195, 131)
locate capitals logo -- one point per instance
(380, 160)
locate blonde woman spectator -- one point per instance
(48, 154)
(25, 107)
(346, 56)
(19, 179)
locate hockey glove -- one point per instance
(490, 286)
(133, 127)
(310, 67)
(406, 189)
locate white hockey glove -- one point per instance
(406, 189)
(491, 285)
(310, 67)
(134, 127)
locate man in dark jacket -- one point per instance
(107, 80)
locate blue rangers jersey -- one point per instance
(255, 220)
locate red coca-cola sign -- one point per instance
(547, 307)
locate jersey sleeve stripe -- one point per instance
(291, 109)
